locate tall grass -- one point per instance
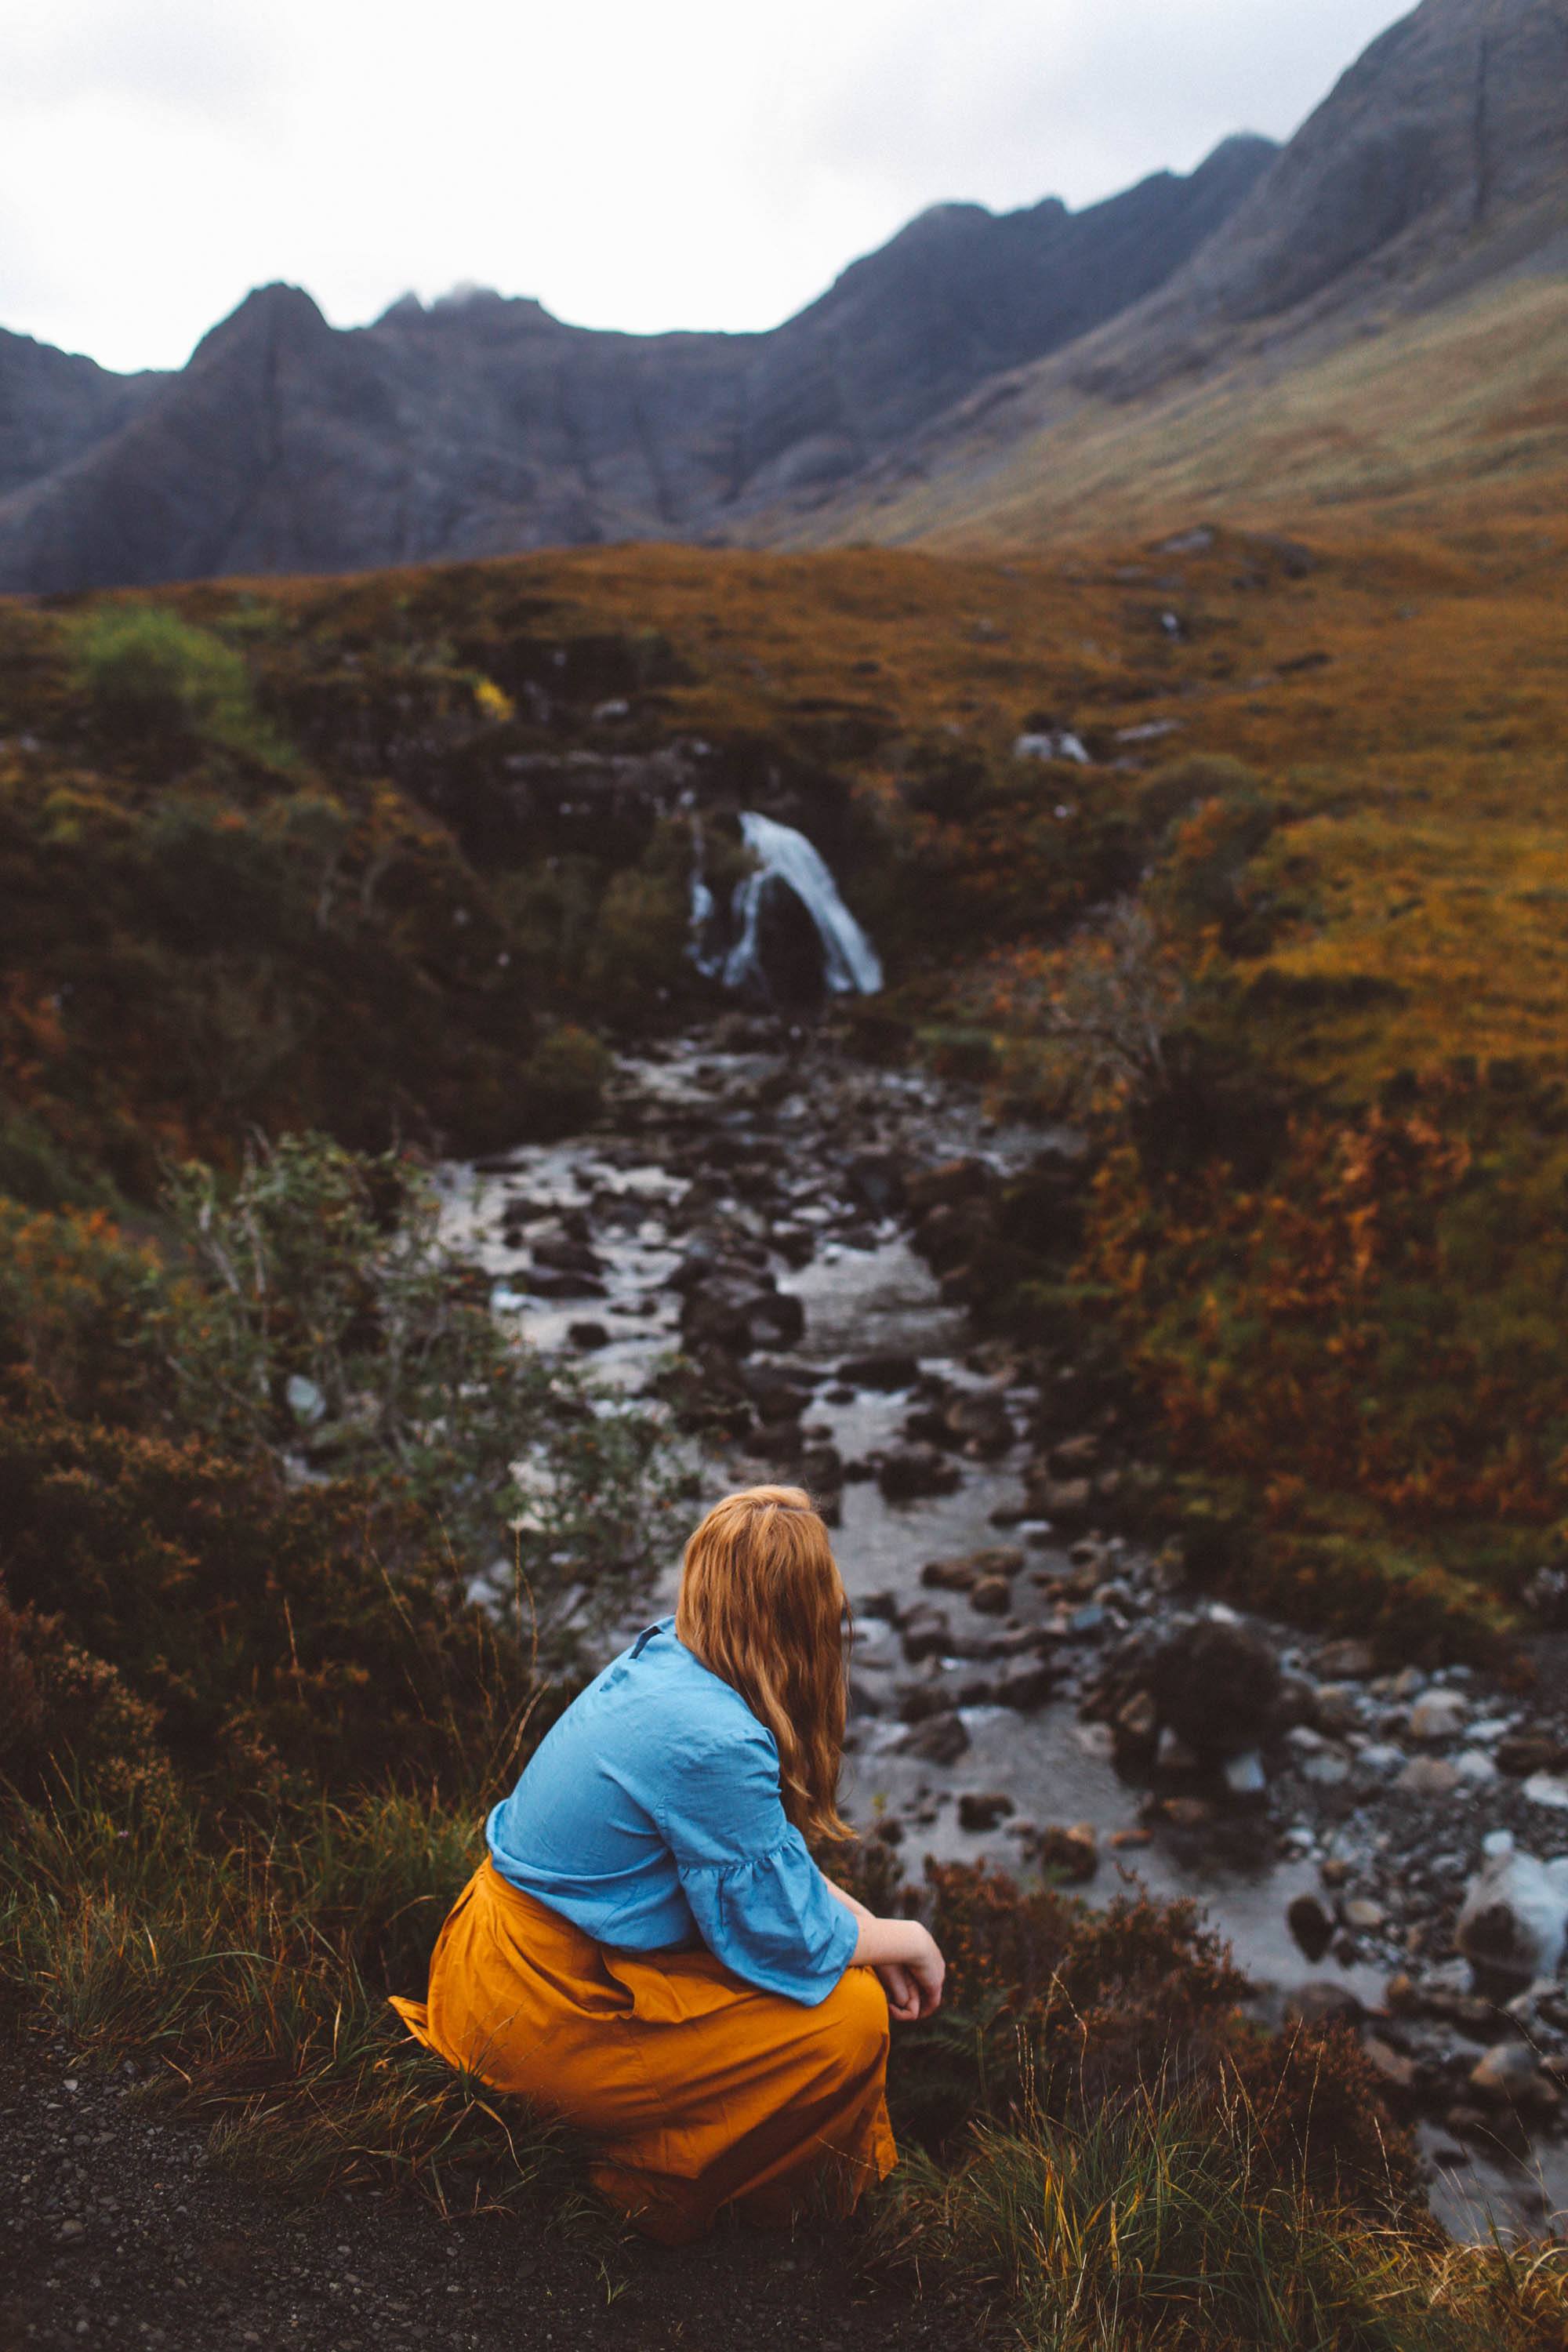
(251, 1975)
(1164, 2223)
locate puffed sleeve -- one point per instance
(760, 1901)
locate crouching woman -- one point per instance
(649, 1949)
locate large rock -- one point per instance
(1216, 1685)
(1514, 1918)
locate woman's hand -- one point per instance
(905, 1956)
(904, 1994)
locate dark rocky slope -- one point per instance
(1437, 166)
(482, 425)
(54, 405)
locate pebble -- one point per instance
(1548, 1789)
(1429, 1776)
(1245, 1776)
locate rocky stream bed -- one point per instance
(1031, 1684)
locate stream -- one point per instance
(746, 1197)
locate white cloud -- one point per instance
(711, 162)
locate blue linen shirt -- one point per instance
(650, 1817)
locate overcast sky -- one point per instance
(694, 164)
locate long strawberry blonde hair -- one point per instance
(762, 1605)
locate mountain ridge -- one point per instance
(483, 426)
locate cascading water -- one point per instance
(850, 965)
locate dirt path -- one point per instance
(118, 2231)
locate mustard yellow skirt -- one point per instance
(697, 2090)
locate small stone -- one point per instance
(1136, 1719)
(1328, 1769)
(1245, 1776)
(1429, 1776)
(587, 1336)
(1322, 2001)
(1474, 1765)
(1026, 1686)
(1173, 1754)
(1440, 1714)
(1366, 1917)
(1333, 1870)
(1349, 1661)
(1072, 1852)
(1548, 1789)
(1390, 2064)
(1312, 1923)
(1187, 1812)
(1507, 2074)
(942, 1740)
(1402, 1995)
(983, 1810)
(992, 1596)
(1121, 1838)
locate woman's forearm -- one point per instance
(904, 1942)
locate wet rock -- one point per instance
(564, 1254)
(876, 1179)
(1066, 1502)
(1025, 1687)
(1347, 1661)
(587, 1336)
(1429, 1776)
(1392, 2068)
(1322, 2001)
(1185, 1812)
(1312, 1923)
(1523, 1753)
(1171, 1753)
(942, 1740)
(1133, 1732)
(1245, 1776)
(961, 1575)
(886, 1372)
(1440, 1714)
(740, 1312)
(1129, 1838)
(1509, 2073)
(1217, 1685)
(979, 1421)
(983, 1811)
(926, 1632)
(1514, 1917)
(907, 1472)
(992, 1596)
(1073, 1853)
(551, 1282)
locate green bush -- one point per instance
(147, 673)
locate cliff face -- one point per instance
(56, 404)
(481, 425)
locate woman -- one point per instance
(649, 1949)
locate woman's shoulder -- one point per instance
(697, 1709)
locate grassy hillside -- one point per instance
(1419, 418)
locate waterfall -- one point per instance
(850, 965)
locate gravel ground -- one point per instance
(118, 2231)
